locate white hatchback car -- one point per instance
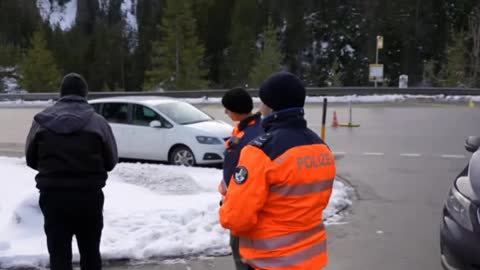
(164, 129)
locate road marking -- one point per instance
(373, 154)
(453, 156)
(410, 155)
(339, 153)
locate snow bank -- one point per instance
(359, 99)
(151, 211)
(22, 103)
(309, 100)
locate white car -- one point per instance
(164, 129)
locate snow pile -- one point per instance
(157, 179)
(58, 15)
(151, 211)
(358, 99)
(462, 98)
(340, 200)
(22, 103)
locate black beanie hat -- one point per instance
(73, 84)
(283, 90)
(238, 100)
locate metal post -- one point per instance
(324, 118)
(376, 62)
(350, 122)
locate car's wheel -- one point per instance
(182, 156)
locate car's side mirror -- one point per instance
(472, 144)
(156, 124)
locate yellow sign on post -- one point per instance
(379, 42)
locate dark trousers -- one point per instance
(69, 213)
(237, 258)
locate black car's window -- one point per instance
(115, 112)
(143, 116)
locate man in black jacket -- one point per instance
(72, 148)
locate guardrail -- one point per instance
(328, 91)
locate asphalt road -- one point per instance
(402, 161)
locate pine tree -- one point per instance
(239, 56)
(38, 70)
(332, 38)
(177, 59)
(9, 55)
(430, 77)
(474, 34)
(270, 58)
(453, 73)
(335, 75)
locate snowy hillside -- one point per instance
(65, 15)
(62, 16)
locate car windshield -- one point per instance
(183, 113)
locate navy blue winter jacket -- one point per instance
(245, 131)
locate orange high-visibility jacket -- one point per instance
(245, 131)
(277, 195)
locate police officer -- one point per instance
(281, 185)
(238, 106)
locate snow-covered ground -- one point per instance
(151, 211)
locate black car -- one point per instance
(460, 230)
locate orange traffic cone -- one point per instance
(335, 120)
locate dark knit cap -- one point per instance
(73, 84)
(283, 90)
(238, 100)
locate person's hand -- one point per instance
(221, 189)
